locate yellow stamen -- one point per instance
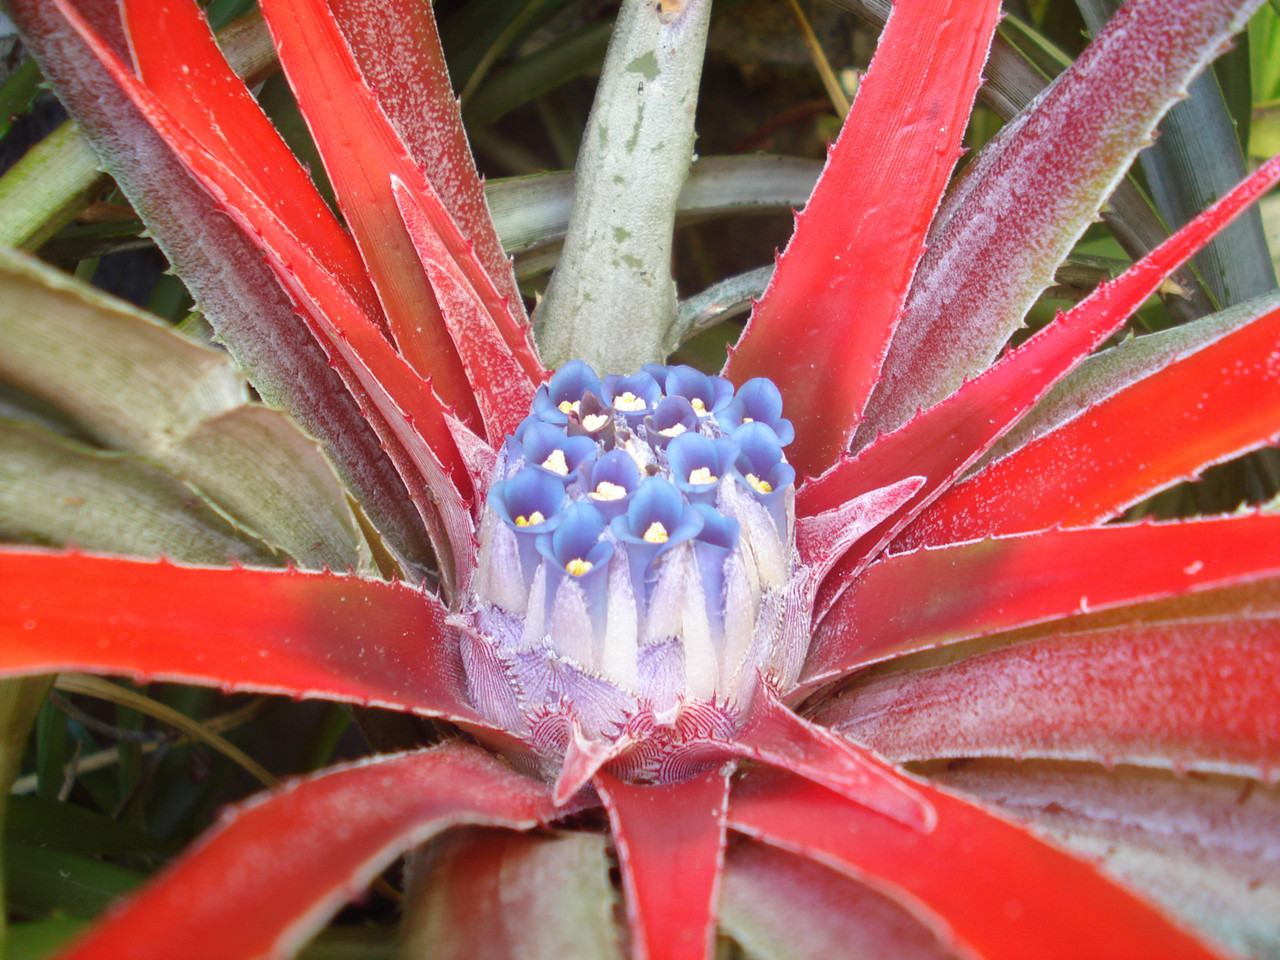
(674, 430)
(748, 419)
(608, 491)
(629, 402)
(556, 463)
(699, 407)
(566, 407)
(761, 486)
(656, 533)
(531, 520)
(702, 475)
(578, 567)
(594, 421)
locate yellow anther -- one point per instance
(608, 491)
(674, 430)
(629, 402)
(566, 407)
(699, 407)
(556, 463)
(594, 421)
(578, 567)
(761, 486)
(702, 475)
(656, 533)
(748, 419)
(531, 520)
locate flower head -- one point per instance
(659, 572)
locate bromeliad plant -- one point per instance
(614, 582)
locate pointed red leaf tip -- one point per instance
(281, 864)
(823, 538)
(946, 439)
(361, 152)
(989, 888)
(1183, 696)
(175, 54)
(670, 840)
(774, 735)
(930, 597)
(1154, 433)
(823, 326)
(269, 631)
(397, 47)
(503, 382)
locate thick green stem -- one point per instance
(613, 299)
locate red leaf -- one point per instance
(670, 840)
(774, 735)
(1198, 695)
(281, 864)
(981, 882)
(270, 631)
(221, 263)
(175, 55)
(1154, 433)
(944, 440)
(841, 283)
(361, 153)
(1018, 209)
(397, 48)
(503, 385)
(930, 597)
(411, 423)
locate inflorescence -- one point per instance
(637, 560)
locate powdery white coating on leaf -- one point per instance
(1030, 194)
(397, 48)
(1175, 696)
(1203, 847)
(1110, 371)
(782, 907)
(230, 280)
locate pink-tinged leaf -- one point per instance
(670, 840)
(824, 323)
(924, 599)
(947, 438)
(223, 266)
(281, 864)
(785, 907)
(400, 406)
(775, 735)
(1154, 433)
(1183, 696)
(823, 538)
(987, 887)
(501, 895)
(270, 631)
(361, 153)
(1033, 190)
(397, 48)
(175, 55)
(1202, 847)
(503, 387)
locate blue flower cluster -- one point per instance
(636, 528)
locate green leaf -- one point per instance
(55, 491)
(43, 880)
(133, 385)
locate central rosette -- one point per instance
(637, 570)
